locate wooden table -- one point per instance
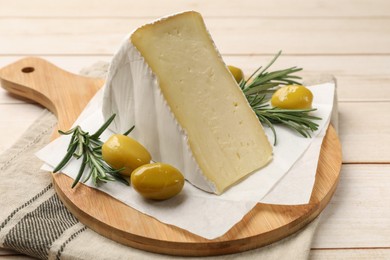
(349, 39)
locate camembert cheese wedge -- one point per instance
(170, 81)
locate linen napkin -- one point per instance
(33, 220)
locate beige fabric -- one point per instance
(33, 221)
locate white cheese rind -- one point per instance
(146, 108)
(194, 88)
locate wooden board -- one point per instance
(66, 95)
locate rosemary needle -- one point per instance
(89, 147)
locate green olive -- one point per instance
(121, 151)
(292, 97)
(237, 73)
(157, 181)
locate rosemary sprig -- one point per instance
(297, 119)
(258, 89)
(82, 144)
(262, 80)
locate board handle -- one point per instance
(63, 93)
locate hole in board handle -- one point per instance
(28, 69)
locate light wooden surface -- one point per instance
(349, 39)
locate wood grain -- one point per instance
(358, 215)
(12, 127)
(364, 131)
(148, 8)
(48, 85)
(268, 36)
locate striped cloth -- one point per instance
(33, 221)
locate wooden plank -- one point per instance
(356, 254)
(147, 8)
(358, 215)
(14, 120)
(231, 35)
(356, 80)
(364, 132)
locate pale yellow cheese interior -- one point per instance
(225, 136)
